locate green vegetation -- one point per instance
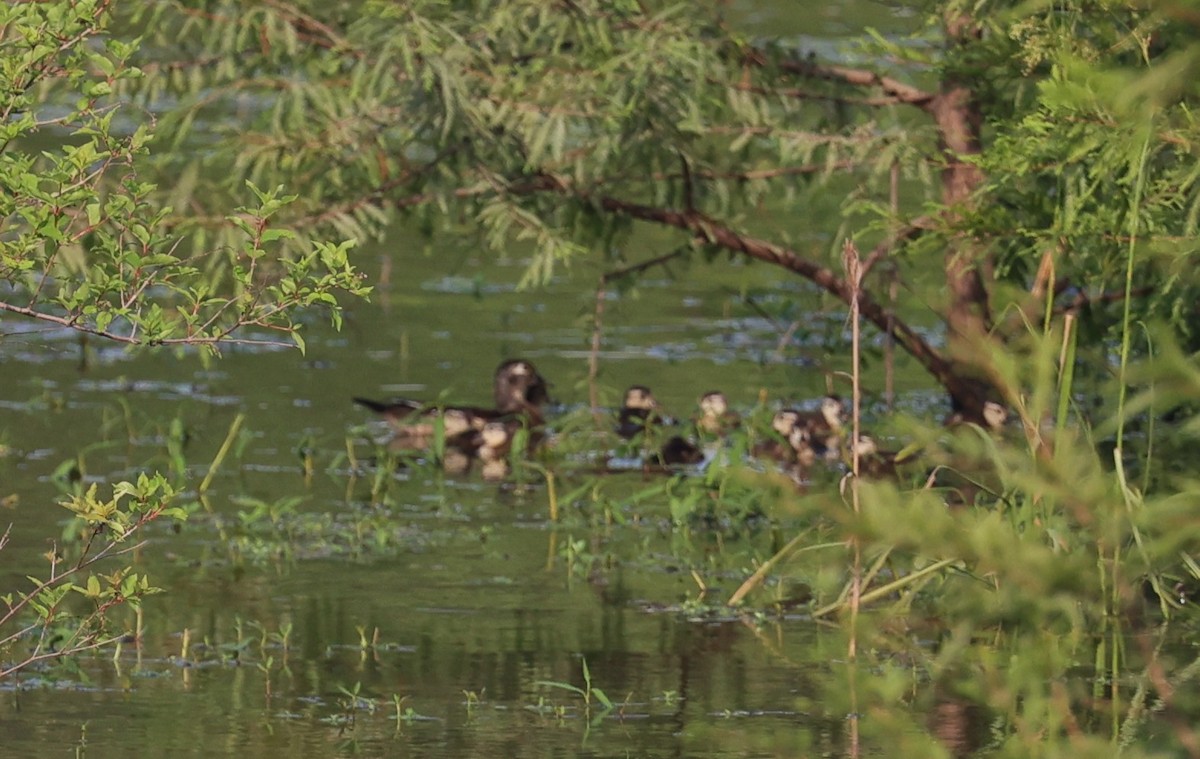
(574, 131)
(87, 246)
(1046, 154)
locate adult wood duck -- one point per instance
(517, 389)
(639, 411)
(421, 431)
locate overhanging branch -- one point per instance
(895, 90)
(723, 236)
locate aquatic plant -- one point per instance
(71, 608)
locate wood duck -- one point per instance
(715, 418)
(495, 441)
(992, 417)
(968, 477)
(678, 450)
(875, 463)
(824, 426)
(639, 411)
(802, 449)
(456, 461)
(714, 421)
(518, 391)
(803, 457)
(421, 433)
(778, 446)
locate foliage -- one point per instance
(47, 614)
(88, 247)
(87, 243)
(555, 127)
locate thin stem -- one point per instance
(1135, 204)
(852, 264)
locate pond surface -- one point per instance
(439, 615)
(476, 610)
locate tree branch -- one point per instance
(718, 234)
(73, 323)
(801, 94)
(896, 90)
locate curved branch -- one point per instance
(718, 234)
(895, 90)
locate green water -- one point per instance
(472, 601)
(470, 591)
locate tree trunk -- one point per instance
(967, 263)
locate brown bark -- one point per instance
(968, 318)
(718, 234)
(968, 266)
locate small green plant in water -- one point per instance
(588, 693)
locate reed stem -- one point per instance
(223, 452)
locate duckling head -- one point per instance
(639, 397)
(801, 443)
(455, 422)
(784, 422)
(994, 415)
(494, 435)
(834, 410)
(714, 404)
(865, 446)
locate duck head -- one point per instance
(518, 386)
(714, 404)
(639, 397)
(834, 411)
(494, 435)
(995, 416)
(784, 422)
(801, 443)
(865, 446)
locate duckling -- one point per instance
(456, 461)
(874, 463)
(824, 426)
(457, 430)
(967, 475)
(639, 411)
(992, 417)
(715, 418)
(495, 471)
(802, 448)
(517, 388)
(803, 456)
(494, 442)
(778, 447)
(677, 451)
